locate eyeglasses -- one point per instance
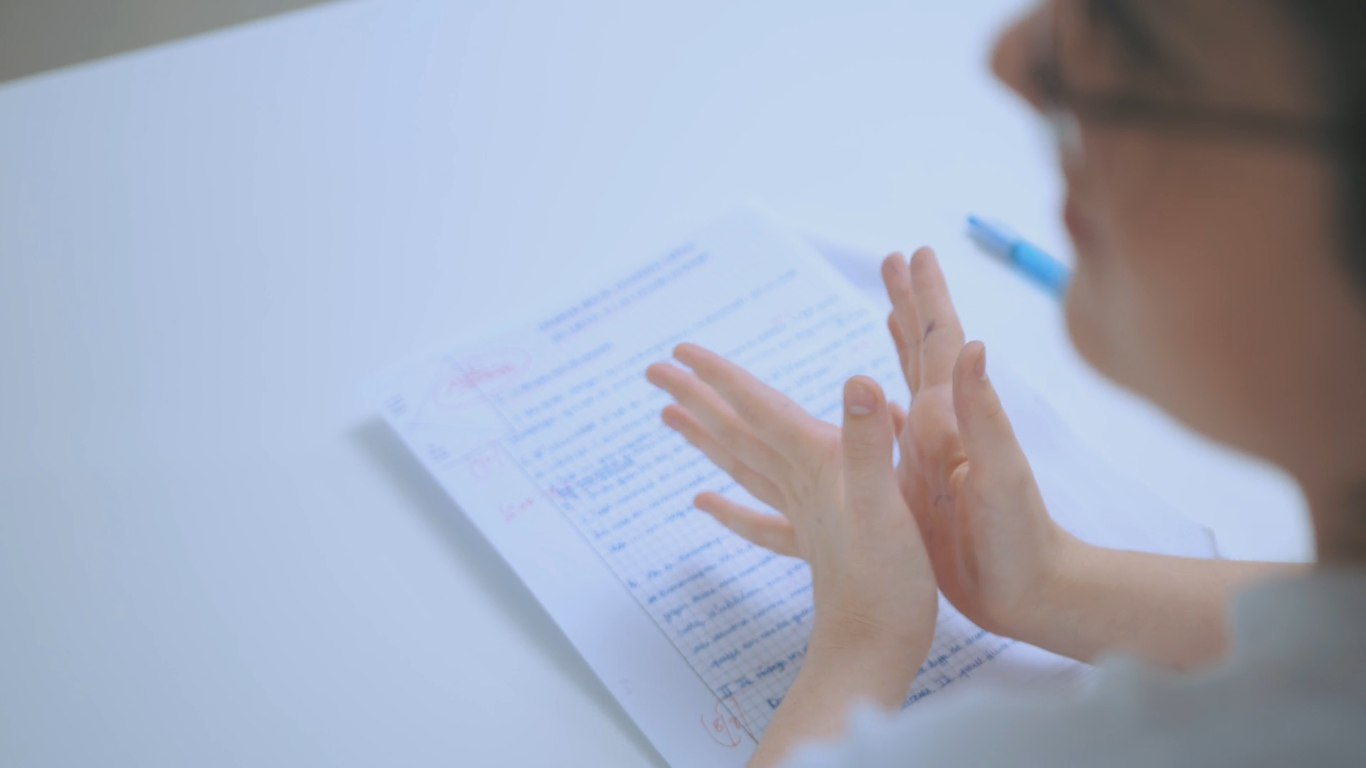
(1065, 109)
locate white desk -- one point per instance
(212, 554)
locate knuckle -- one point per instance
(861, 448)
(825, 442)
(746, 411)
(810, 475)
(728, 464)
(691, 431)
(728, 432)
(992, 409)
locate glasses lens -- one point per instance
(1066, 132)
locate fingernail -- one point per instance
(981, 368)
(859, 398)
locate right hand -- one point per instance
(835, 489)
(996, 553)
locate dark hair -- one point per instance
(1337, 30)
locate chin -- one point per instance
(1090, 326)
(1095, 304)
(1110, 340)
(1079, 306)
(1083, 328)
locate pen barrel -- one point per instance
(1045, 270)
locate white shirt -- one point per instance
(1292, 692)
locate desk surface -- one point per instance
(211, 552)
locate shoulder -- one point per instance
(1128, 714)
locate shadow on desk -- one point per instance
(487, 567)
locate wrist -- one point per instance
(1051, 606)
(853, 637)
(890, 626)
(869, 662)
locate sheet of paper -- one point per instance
(548, 436)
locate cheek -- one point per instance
(1144, 274)
(1182, 293)
(1108, 204)
(1135, 314)
(1086, 321)
(1105, 320)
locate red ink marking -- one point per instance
(722, 726)
(483, 462)
(509, 512)
(735, 707)
(487, 373)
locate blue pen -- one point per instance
(1000, 241)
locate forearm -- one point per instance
(834, 675)
(1170, 611)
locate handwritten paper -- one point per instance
(554, 419)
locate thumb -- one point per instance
(985, 431)
(866, 446)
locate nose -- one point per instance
(1012, 56)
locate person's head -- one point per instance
(1214, 157)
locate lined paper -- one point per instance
(563, 400)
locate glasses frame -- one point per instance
(1066, 109)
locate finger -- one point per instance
(898, 417)
(772, 532)
(941, 335)
(866, 447)
(987, 437)
(896, 275)
(718, 418)
(773, 416)
(763, 489)
(909, 360)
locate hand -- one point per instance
(996, 553)
(841, 509)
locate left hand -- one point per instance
(997, 555)
(841, 508)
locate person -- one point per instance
(1215, 159)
